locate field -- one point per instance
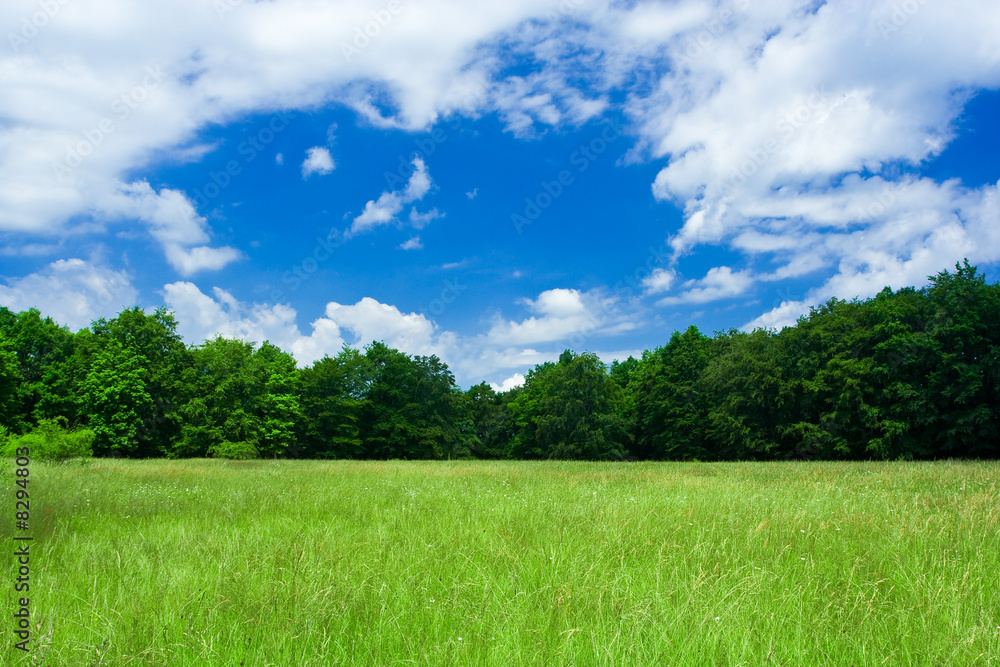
(209, 562)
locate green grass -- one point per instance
(208, 562)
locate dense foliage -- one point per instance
(913, 373)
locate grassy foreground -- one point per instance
(208, 562)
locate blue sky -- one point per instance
(490, 182)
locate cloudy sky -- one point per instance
(493, 181)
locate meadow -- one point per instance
(213, 562)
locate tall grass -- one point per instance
(209, 562)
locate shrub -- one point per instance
(51, 440)
(242, 450)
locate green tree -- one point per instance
(962, 349)
(571, 410)
(10, 379)
(493, 425)
(412, 408)
(154, 338)
(115, 399)
(830, 363)
(239, 394)
(279, 408)
(333, 391)
(43, 350)
(672, 404)
(751, 396)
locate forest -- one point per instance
(907, 374)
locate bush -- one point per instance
(51, 441)
(240, 451)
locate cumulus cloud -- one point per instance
(659, 280)
(172, 220)
(778, 145)
(719, 283)
(202, 316)
(318, 161)
(412, 244)
(562, 315)
(421, 220)
(72, 292)
(785, 315)
(515, 380)
(83, 113)
(389, 204)
(913, 230)
(495, 355)
(779, 125)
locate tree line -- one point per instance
(912, 373)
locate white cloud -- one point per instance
(778, 124)
(785, 315)
(279, 159)
(472, 193)
(472, 358)
(916, 234)
(412, 244)
(201, 317)
(172, 220)
(515, 380)
(189, 261)
(562, 315)
(87, 101)
(371, 321)
(318, 161)
(719, 283)
(72, 292)
(779, 144)
(659, 280)
(421, 220)
(384, 210)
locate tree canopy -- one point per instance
(910, 373)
